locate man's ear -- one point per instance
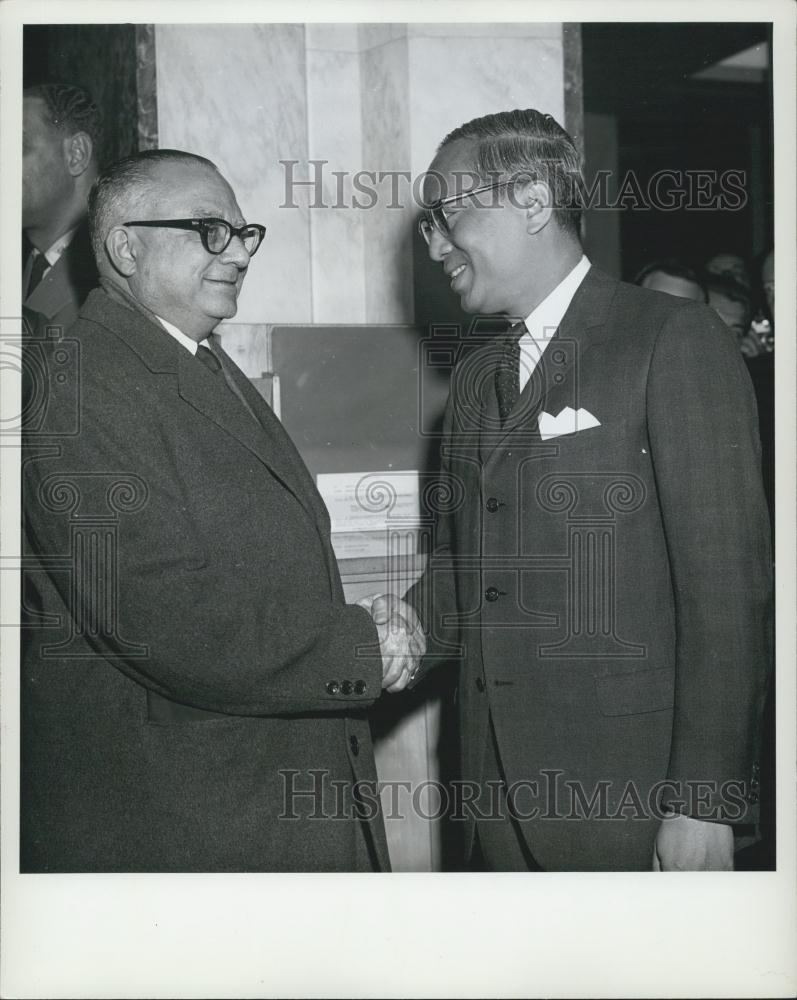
(78, 149)
(122, 248)
(537, 200)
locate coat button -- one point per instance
(492, 593)
(354, 743)
(333, 687)
(492, 505)
(752, 798)
(360, 687)
(346, 687)
(480, 685)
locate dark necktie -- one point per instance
(208, 358)
(40, 265)
(507, 373)
(211, 360)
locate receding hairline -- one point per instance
(126, 188)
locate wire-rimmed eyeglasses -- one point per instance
(434, 216)
(216, 234)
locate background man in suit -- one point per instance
(202, 705)
(607, 573)
(60, 147)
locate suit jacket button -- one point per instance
(360, 687)
(346, 687)
(354, 743)
(492, 593)
(333, 687)
(752, 798)
(492, 505)
(480, 685)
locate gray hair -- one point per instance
(122, 184)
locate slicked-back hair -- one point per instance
(121, 182)
(70, 109)
(524, 143)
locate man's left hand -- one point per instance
(684, 844)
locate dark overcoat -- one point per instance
(194, 686)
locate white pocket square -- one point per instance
(569, 421)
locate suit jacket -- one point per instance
(607, 592)
(61, 292)
(194, 691)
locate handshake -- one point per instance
(401, 639)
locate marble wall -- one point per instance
(236, 93)
(358, 109)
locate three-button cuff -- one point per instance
(346, 687)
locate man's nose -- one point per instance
(236, 253)
(439, 245)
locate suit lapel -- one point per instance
(68, 281)
(53, 293)
(210, 396)
(284, 454)
(205, 392)
(582, 329)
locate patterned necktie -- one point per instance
(507, 373)
(40, 265)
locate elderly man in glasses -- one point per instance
(195, 687)
(604, 585)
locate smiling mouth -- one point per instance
(456, 273)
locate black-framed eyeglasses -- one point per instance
(216, 234)
(434, 216)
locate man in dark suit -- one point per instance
(60, 146)
(194, 696)
(603, 576)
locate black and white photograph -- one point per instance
(398, 499)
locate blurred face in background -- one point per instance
(735, 315)
(729, 264)
(46, 180)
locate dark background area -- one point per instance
(102, 58)
(643, 75)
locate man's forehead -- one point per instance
(34, 113)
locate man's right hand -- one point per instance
(401, 638)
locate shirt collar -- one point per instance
(180, 337)
(543, 321)
(54, 252)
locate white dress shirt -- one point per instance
(543, 322)
(180, 337)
